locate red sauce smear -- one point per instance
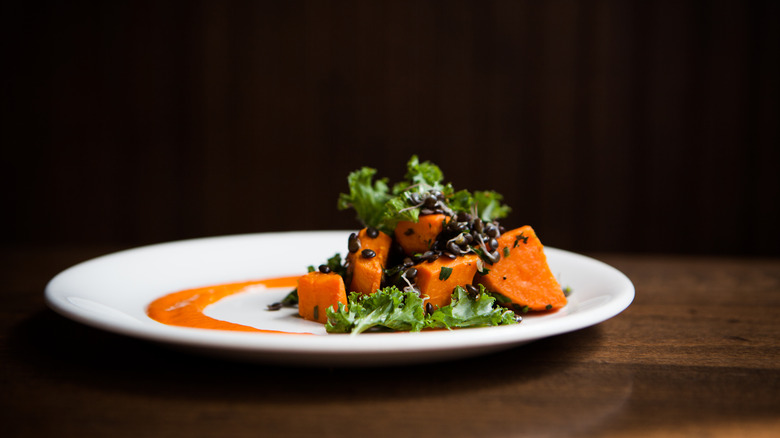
(185, 308)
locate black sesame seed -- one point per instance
(275, 306)
(368, 253)
(493, 243)
(471, 289)
(324, 269)
(409, 232)
(428, 308)
(372, 232)
(449, 255)
(410, 273)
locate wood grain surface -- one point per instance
(696, 354)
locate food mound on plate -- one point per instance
(427, 257)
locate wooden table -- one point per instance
(696, 354)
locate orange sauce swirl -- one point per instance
(185, 308)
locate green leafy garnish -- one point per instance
(380, 207)
(335, 265)
(391, 308)
(399, 209)
(366, 196)
(421, 177)
(291, 299)
(467, 311)
(489, 206)
(445, 273)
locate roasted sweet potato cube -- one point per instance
(522, 274)
(367, 272)
(317, 292)
(437, 279)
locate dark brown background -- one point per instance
(608, 125)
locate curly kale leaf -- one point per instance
(389, 308)
(489, 206)
(393, 309)
(366, 196)
(467, 311)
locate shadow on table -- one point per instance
(533, 381)
(64, 349)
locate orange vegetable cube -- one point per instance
(367, 272)
(317, 292)
(417, 237)
(522, 274)
(437, 279)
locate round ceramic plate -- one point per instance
(112, 293)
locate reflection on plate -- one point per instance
(113, 291)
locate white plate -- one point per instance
(112, 292)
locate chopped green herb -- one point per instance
(506, 252)
(316, 312)
(445, 273)
(548, 307)
(520, 237)
(566, 291)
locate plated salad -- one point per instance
(426, 257)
